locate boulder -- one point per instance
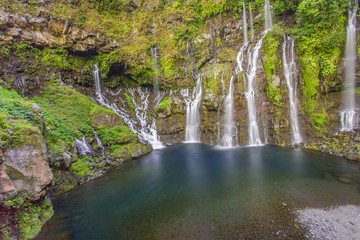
(24, 172)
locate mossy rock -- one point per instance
(129, 151)
(227, 55)
(102, 117)
(32, 216)
(116, 135)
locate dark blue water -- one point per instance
(195, 191)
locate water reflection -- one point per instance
(197, 191)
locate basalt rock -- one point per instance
(48, 31)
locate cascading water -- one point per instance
(192, 130)
(349, 118)
(251, 23)
(82, 146)
(146, 132)
(141, 107)
(97, 80)
(99, 143)
(245, 24)
(249, 75)
(290, 72)
(268, 17)
(229, 136)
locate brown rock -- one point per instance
(25, 168)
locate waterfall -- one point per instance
(249, 75)
(192, 130)
(349, 116)
(99, 143)
(245, 24)
(146, 132)
(97, 80)
(290, 72)
(229, 126)
(268, 17)
(251, 23)
(82, 146)
(141, 107)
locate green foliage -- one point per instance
(32, 216)
(285, 6)
(14, 203)
(13, 104)
(274, 94)
(67, 105)
(81, 166)
(116, 135)
(129, 101)
(165, 104)
(271, 45)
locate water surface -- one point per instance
(195, 191)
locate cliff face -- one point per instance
(149, 56)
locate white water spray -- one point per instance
(141, 105)
(249, 75)
(251, 23)
(147, 132)
(245, 24)
(229, 136)
(349, 116)
(268, 17)
(290, 72)
(192, 130)
(82, 146)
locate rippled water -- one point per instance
(195, 191)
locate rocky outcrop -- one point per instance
(47, 31)
(24, 172)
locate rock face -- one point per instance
(47, 31)
(24, 172)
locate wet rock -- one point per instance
(353, 156)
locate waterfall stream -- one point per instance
(143, 125)
(229, 136)
(349, 115)
(290, 72)
(268, 17)
(192, 130)
(245, 24)
(148, 130)
(82, 146)
(251, 23)
(249, 75)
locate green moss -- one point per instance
(81, 166)
(311, 70)
(274, 94)
(271, 45)
(67, 105)
(26, 134)
(165, 104)
(116, 135)
(101, 117)
(32, 216)
(127, 151)
(129, 102)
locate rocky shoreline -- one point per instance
(335, 223)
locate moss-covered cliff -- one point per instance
(48, 97)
